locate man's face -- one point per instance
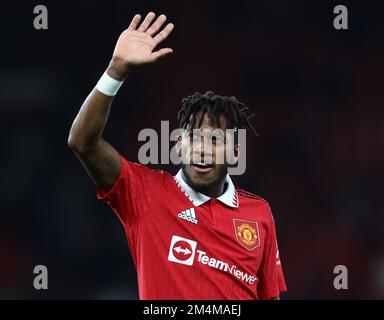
(204, 153)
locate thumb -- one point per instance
(161, 53)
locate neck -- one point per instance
(215, 190)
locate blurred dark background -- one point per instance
(317, 94)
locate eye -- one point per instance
(190, 135)
(194, 136)
(220, 140)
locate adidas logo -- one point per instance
(188, 215)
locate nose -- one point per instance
(202, 150)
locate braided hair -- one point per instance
(213, 106)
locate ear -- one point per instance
(178, 145)
(236, 153)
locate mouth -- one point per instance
(202, 168)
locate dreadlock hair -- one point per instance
(213, 106)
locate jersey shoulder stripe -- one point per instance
(250, 195)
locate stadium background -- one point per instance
(317, 94)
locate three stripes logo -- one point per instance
(188, 215)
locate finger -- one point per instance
(156, 25)
(147, 21)
(161, 36)
(161, 53)
(134, 22)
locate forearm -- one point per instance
(88, 126)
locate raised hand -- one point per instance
(136, 44)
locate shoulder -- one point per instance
(255, 201)
(143, 172)
(249, 196)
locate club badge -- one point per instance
(247, 233)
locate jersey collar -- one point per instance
(229, 197)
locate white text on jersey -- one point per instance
(188, 215)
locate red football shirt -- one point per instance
(186, 245)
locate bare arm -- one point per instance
(134, 47)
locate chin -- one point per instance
(197, 180)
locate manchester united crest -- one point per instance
(247, 233)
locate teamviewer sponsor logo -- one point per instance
(182, 250)
(224, 266)
(188, 215)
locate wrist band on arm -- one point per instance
(108, 86)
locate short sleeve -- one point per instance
(129, 196)
(271, 277)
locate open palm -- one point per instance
(136, 45)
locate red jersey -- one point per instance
(186, 245)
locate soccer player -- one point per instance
(193, 235)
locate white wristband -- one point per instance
(108, 85)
